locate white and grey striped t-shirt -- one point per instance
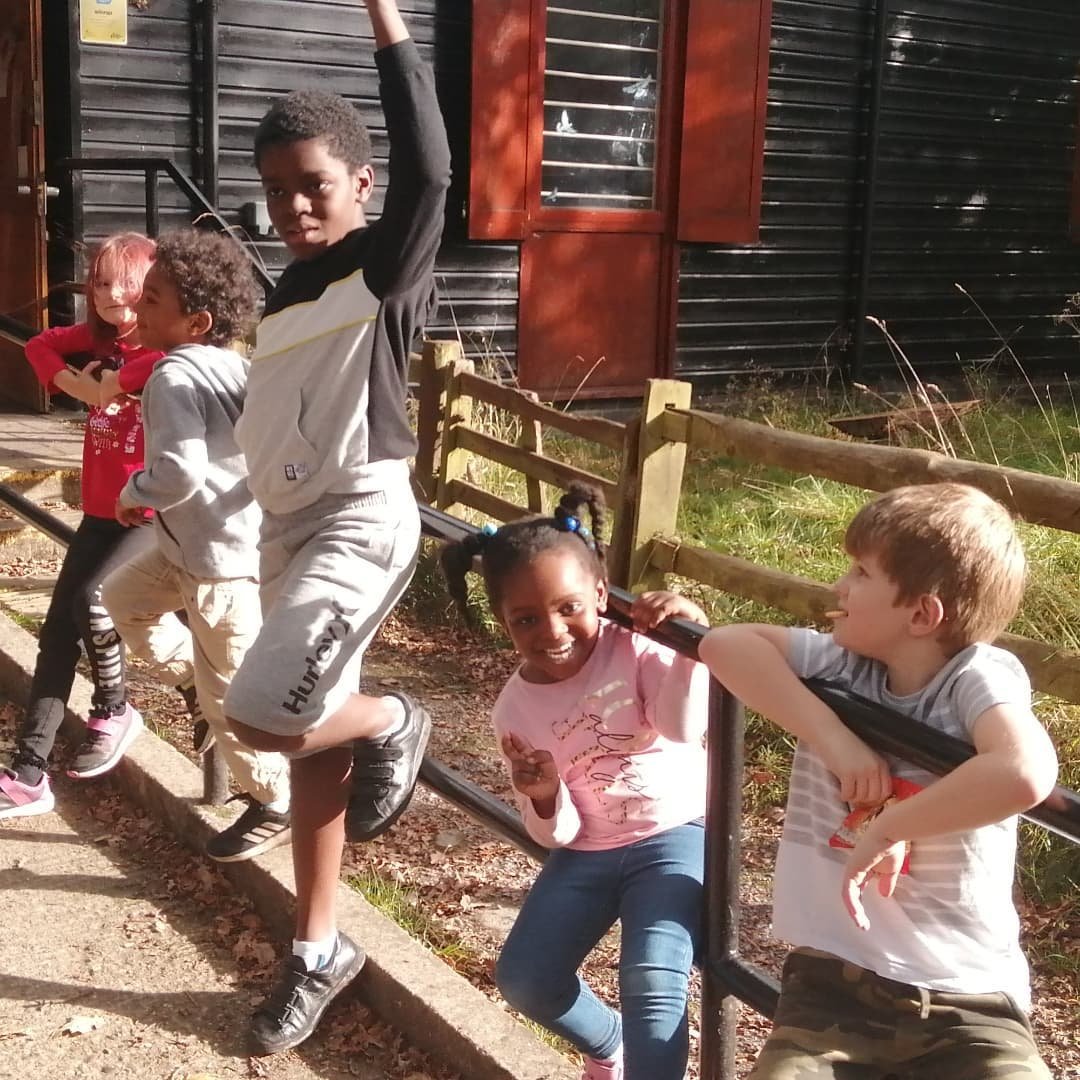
(951, 924)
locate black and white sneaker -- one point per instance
(384, 774)
(256, 830)
(202, 737)
(295, 1006)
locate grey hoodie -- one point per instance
(195, 479)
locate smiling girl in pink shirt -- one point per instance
(602, 730)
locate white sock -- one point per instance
(397, 708)
(315, 954)
(278, 806)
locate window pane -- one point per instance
(600, 100)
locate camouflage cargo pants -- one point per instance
(841, 1021)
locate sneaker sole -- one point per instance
(360, 836)
(283, 837)
(32, 809)
(130, 736)
(279, 1048)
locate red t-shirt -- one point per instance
(113, 442)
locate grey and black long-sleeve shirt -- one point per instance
(325, 410)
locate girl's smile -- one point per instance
(551, 609)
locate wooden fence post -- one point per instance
(435, 362)
(659, 482)
(454, 460)
(532, 438)
(618, 556)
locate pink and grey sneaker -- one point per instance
(108, 735)
(605, 1069)
(18, 799)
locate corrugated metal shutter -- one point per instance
(975, 157)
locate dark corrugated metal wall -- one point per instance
(975, 166)
(976, 137)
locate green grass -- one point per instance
(402, 906)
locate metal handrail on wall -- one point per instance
(150, 167)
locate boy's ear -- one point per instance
(364, 179)
(927, 615)
(200, 323)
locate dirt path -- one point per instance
(112, 929)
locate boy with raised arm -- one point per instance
(326, 438)
(906, 955)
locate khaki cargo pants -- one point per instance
(839, 1020)
(224, 619)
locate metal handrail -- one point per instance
(150, 166)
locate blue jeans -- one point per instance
(654, 887)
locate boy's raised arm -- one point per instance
(751, 662)
(387, 22)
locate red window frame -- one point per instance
(710, 131)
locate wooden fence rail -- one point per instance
(1042, 500)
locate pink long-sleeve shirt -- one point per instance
(626, 733)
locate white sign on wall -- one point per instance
(103, 22)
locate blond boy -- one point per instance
(920, 972)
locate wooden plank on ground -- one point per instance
(1042, 500)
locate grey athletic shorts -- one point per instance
(329, 576)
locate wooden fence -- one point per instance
(645, 493)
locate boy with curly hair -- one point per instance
(907, 959)
(199, 297)
(327, 441)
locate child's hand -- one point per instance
(130, 516)
(532, 772)
(650, 609)
(873, 856)
(81, 384)
(863, 775)
(109, 388)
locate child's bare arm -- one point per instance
(1014, 769)
(751, 662)
(80, 384)
(387, 23)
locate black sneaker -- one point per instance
(384, 774)
(295, 1006)
(256, 830)
(202, 737)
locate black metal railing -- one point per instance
(726, 977)
(151, 168)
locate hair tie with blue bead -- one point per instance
(567, 522)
